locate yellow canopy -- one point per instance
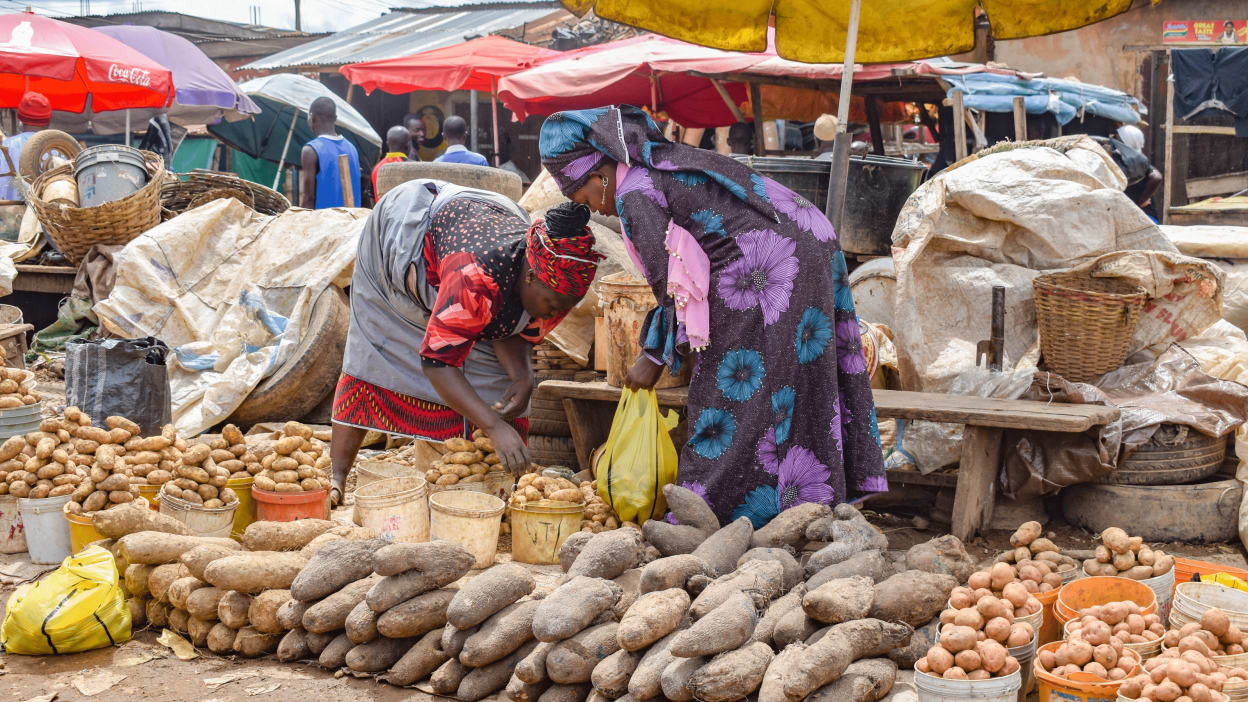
(815, 31)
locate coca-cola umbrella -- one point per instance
(68, 63)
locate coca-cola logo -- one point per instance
(129, 74)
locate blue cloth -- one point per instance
(460, 154)
(328, 183)
(8, 189)
(1065, 99)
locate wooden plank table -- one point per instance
(591, 406)
(44, 279)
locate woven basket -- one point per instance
(1085, 323)
(221, 193)
(75, 230)
(178, 196)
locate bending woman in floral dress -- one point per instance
(754, 292)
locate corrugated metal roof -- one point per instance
(404, 33)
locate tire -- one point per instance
(1203, 513)
(480, 177)
(548, 451)
(1176, 454)
(303, 381)
(34, 158)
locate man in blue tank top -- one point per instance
(320, 185)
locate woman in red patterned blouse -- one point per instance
(451, 290)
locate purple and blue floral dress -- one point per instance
(780, 408)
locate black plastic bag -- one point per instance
(126, 377)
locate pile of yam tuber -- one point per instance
(1030, 545)
(298, 462)
(17, 388)
(1122, 621)
(1128, 557)
(1003, 581)
(1213, 635)
(1183, 676)
(464, 461)
(1108, 661)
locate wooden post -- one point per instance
(838, 178)
(1168, 176)
(344, 173)
(723, 95)
(959, 127)
(977, 471)
(873, 121)
(1020, 119)
(756, 106)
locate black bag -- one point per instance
(126, 377)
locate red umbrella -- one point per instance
(67, 63)
(472, 65)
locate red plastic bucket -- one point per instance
(290, 506)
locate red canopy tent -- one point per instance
(473, 65)
(67, 63)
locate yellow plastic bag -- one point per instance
(77, 607)
(639, 457)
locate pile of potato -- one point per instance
(1001, 581)
(298, 462)
(198, 479)
(100, 457)
(598, 514)
(1181, 676)
(973, 643)
(1213, 635)
(534, 487)
(16, 390)
(1116, 621)
(1127, 557)
(230, 451)
(1108, 661)
(464, 461)
(1030, 545)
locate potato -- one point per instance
(1116, 540)
(457, 445)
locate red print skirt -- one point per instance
(361, 404)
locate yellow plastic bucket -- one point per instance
(246, 512)
(470, 519)
(538, 529)
(396, 508)
(151, 493)
(82, 531)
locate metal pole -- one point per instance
(277, 177)
(838, 179)
(472, 118)
(498, 158)
(1168, 178)
(127, 127)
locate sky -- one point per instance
(318, 15)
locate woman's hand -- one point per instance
(644, 374)
(510, 448)
(516, 399)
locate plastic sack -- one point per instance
(639, 457)
(126, 377)
(77, 607)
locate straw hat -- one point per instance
(825, 127)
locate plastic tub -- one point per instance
(47, 532)
(500, 483)
(1163, 587)
(246, 512)
(1002, 689)
(20, 420)
(202, 521)
(470, 519)
(1024, 655)
(396, 508)
(1186, 569)
(290, 506)
(1050, 629)
(12, 535)
(1092, 690)
(470, 487)
(108, 172)
(1101, 589)
(82, 531)
(539, 529)
(368, 472)
(1191, 600)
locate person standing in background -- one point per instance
(398, 148)
(34, 112)
(416, 130)
(455, 131)
(1131, 135)
(320, 185)
(741, 138)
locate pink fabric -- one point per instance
(688, 277)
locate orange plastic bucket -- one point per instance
(1050, 629)
(290, 506)
(1089, 689)
(1185, 568)
(1098, 590)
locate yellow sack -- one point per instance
(639, 457)
(1224, 579)
(78, 607)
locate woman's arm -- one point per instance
(455, 390)
(515, 355)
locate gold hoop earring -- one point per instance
(604, 189)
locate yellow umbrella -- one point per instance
(818, 31)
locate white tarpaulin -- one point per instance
(230, 291)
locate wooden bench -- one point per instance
(591, 406)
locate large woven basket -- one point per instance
(1085, 323)
(75, 230)
(178, 196)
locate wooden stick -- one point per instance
(1020, 119)
(1168, 178)
(344, 173)
(959, 127)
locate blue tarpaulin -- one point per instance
(1066, 99)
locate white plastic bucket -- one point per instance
(1192, 599)
(1163, 586)
(202, 521)
(1002, 689)
(12, 534)
(396, 508)
(1024, 655)
(47, 532)
(470, 519)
